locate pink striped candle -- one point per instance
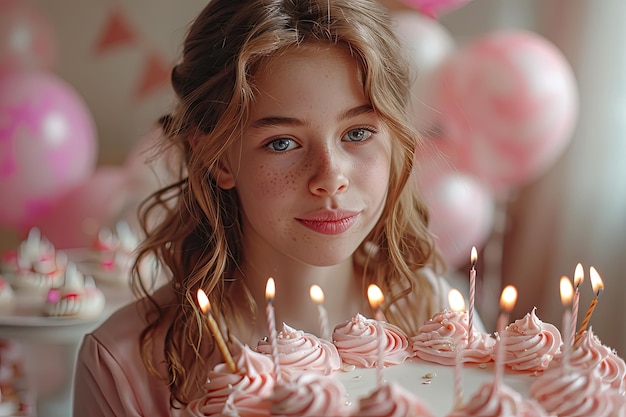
(472, 294)
(507, 302)
(270, 291)
(579, 276)
(375, 297)
(566, 298)
(457, 304)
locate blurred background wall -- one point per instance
(536, 221)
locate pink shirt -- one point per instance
(110, 377)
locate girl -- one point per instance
(297, 160)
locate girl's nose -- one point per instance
(329, 177)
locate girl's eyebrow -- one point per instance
(292, 121)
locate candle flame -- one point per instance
(579, 275)
(316, 294)
(473, 256)
(270, 289)
(567, 291)
(596, 281)
(203, 301)
(375, 296)
(508, 298)
(456, 300)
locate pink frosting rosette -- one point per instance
(246, 391)
(310, 394)
(439, 338)
(300, 351)
(237, 404)
(530, 344)
(616, 400)
(391, 400)
(357, 342)
(591, 353)
(502, 402)
(576, 392)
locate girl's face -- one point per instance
(312, 167)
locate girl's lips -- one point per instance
(331, 226)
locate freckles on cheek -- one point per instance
(275, 183)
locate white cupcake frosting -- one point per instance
(77, 297)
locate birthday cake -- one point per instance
(313, 382)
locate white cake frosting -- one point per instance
(114, 253)
(77, 297)
(7, 297)
(39, 266)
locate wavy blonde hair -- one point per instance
(193, 226)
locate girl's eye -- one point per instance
(358, 135)
(282, 145)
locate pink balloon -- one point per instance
(27, 40)
(435, 8)
(77, 215)
(462, 209)
(508, 105)
(429, 44)
(47, 143)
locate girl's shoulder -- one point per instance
(121, 329)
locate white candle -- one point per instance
(472, 293)
(270, 292)
(376, 298)
(507, 302)
(317, 295)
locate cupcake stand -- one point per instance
(48, 348)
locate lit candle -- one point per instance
(376, 298)
(457, 304)
(270, 292)
(579, 276)
(472, 293)
(566, 298)
(507, 302)
(205, 306)
(597, 285)
(317, 295)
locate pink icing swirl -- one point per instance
(300, 351)
(310, 394)
(572, 392)
(390, 400)
(248, 389)
(439, 338)
(616, 400)
(357, 342)
(530, 344)
(501, 402)
(591, 353)
(237, 404)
